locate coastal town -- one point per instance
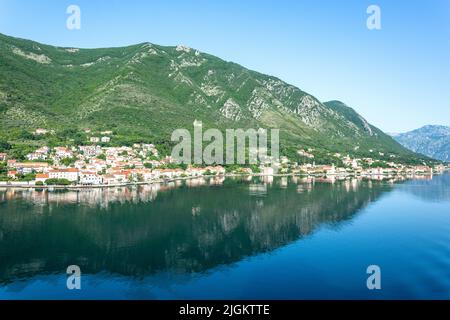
(95, 165)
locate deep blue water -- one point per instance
(233, 239)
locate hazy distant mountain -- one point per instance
(145, 91)
(432, 141)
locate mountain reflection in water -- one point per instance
(182, 227)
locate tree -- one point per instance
(173, 166)
(68, 161)
(152, 157)
(19, 151)
(148, 165)
(3, 168)
(57, 182)
(26, 177)
(25, 135)
(4, 146)
(232, 168)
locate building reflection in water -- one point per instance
(258, 189)
(102, 197)
(183, 226)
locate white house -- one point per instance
(195, 172)
(70, 174)
(80, 164)
(36, 156)
(39, 154)
(90, 151)
(90, 178)
(329, 170)
(120, 177)
(167, 173)
(137, 164)
(215, 170)
(94, 139)
(267, 171)
(109, 179)
(146, 174)
(156, 174)
(303, 153)
(29, 167)
(43, 150)
(39, 132)
(377, 171)
(98, 164)
(150, 148)
(62, 153)
(106, 139)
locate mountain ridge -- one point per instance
(430, 140)
(145, 91)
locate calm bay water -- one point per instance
(255, 238)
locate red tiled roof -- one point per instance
(88, 172)
(66, 170)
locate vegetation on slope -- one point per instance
(143, 92)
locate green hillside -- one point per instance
(144, 92)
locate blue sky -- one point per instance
(397, 77)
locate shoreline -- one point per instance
(128, 184)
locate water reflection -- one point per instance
(429, 189)
(183, 226)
